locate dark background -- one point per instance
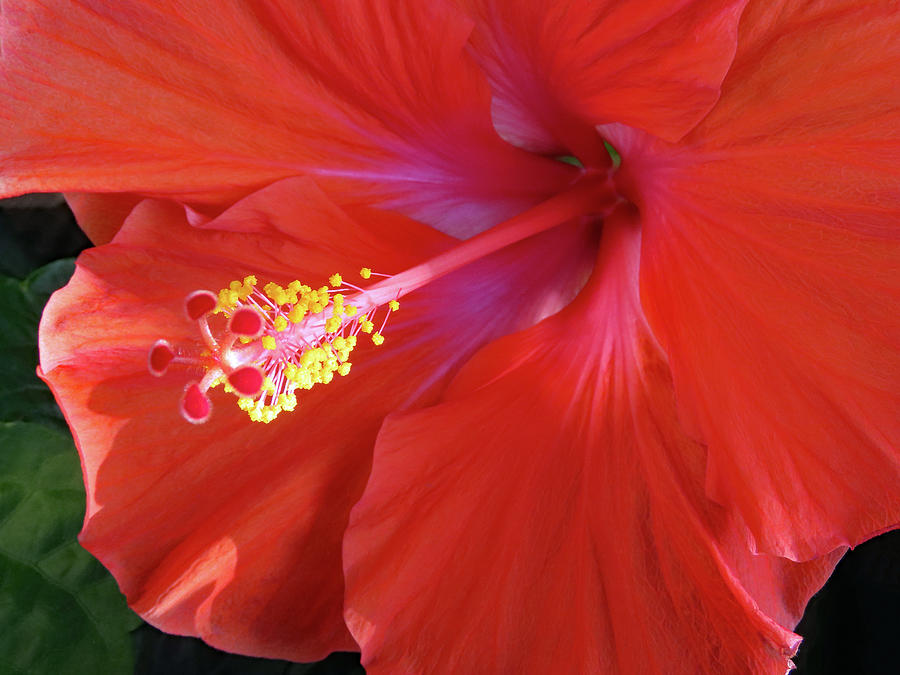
(852, 626)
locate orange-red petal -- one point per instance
(559, 68)
(101, 215)
(203, 101)
(549, 516)
(769, 273)
(232, 530)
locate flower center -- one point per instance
(264, 345)
(274, 341)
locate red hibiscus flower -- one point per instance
(629, 427)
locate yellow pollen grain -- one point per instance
(365, 272)
(335, 280)
(344, 368)
(280, 323)
(268, 342)
(350, 310)
(297, 313)
(333, 325)
(377, 338)
(366, 326)
(394, 305)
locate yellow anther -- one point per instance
(227, 298)
(296, 368)
(297, 313)
(287, 401)
(277, 294)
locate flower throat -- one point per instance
(263, 344)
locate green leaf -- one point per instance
(22, 395)
(60, 611)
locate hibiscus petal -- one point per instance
(770, 274)
(559, 68)
(232, 530)
(101, 215)
(202, 101)
(549, 516)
